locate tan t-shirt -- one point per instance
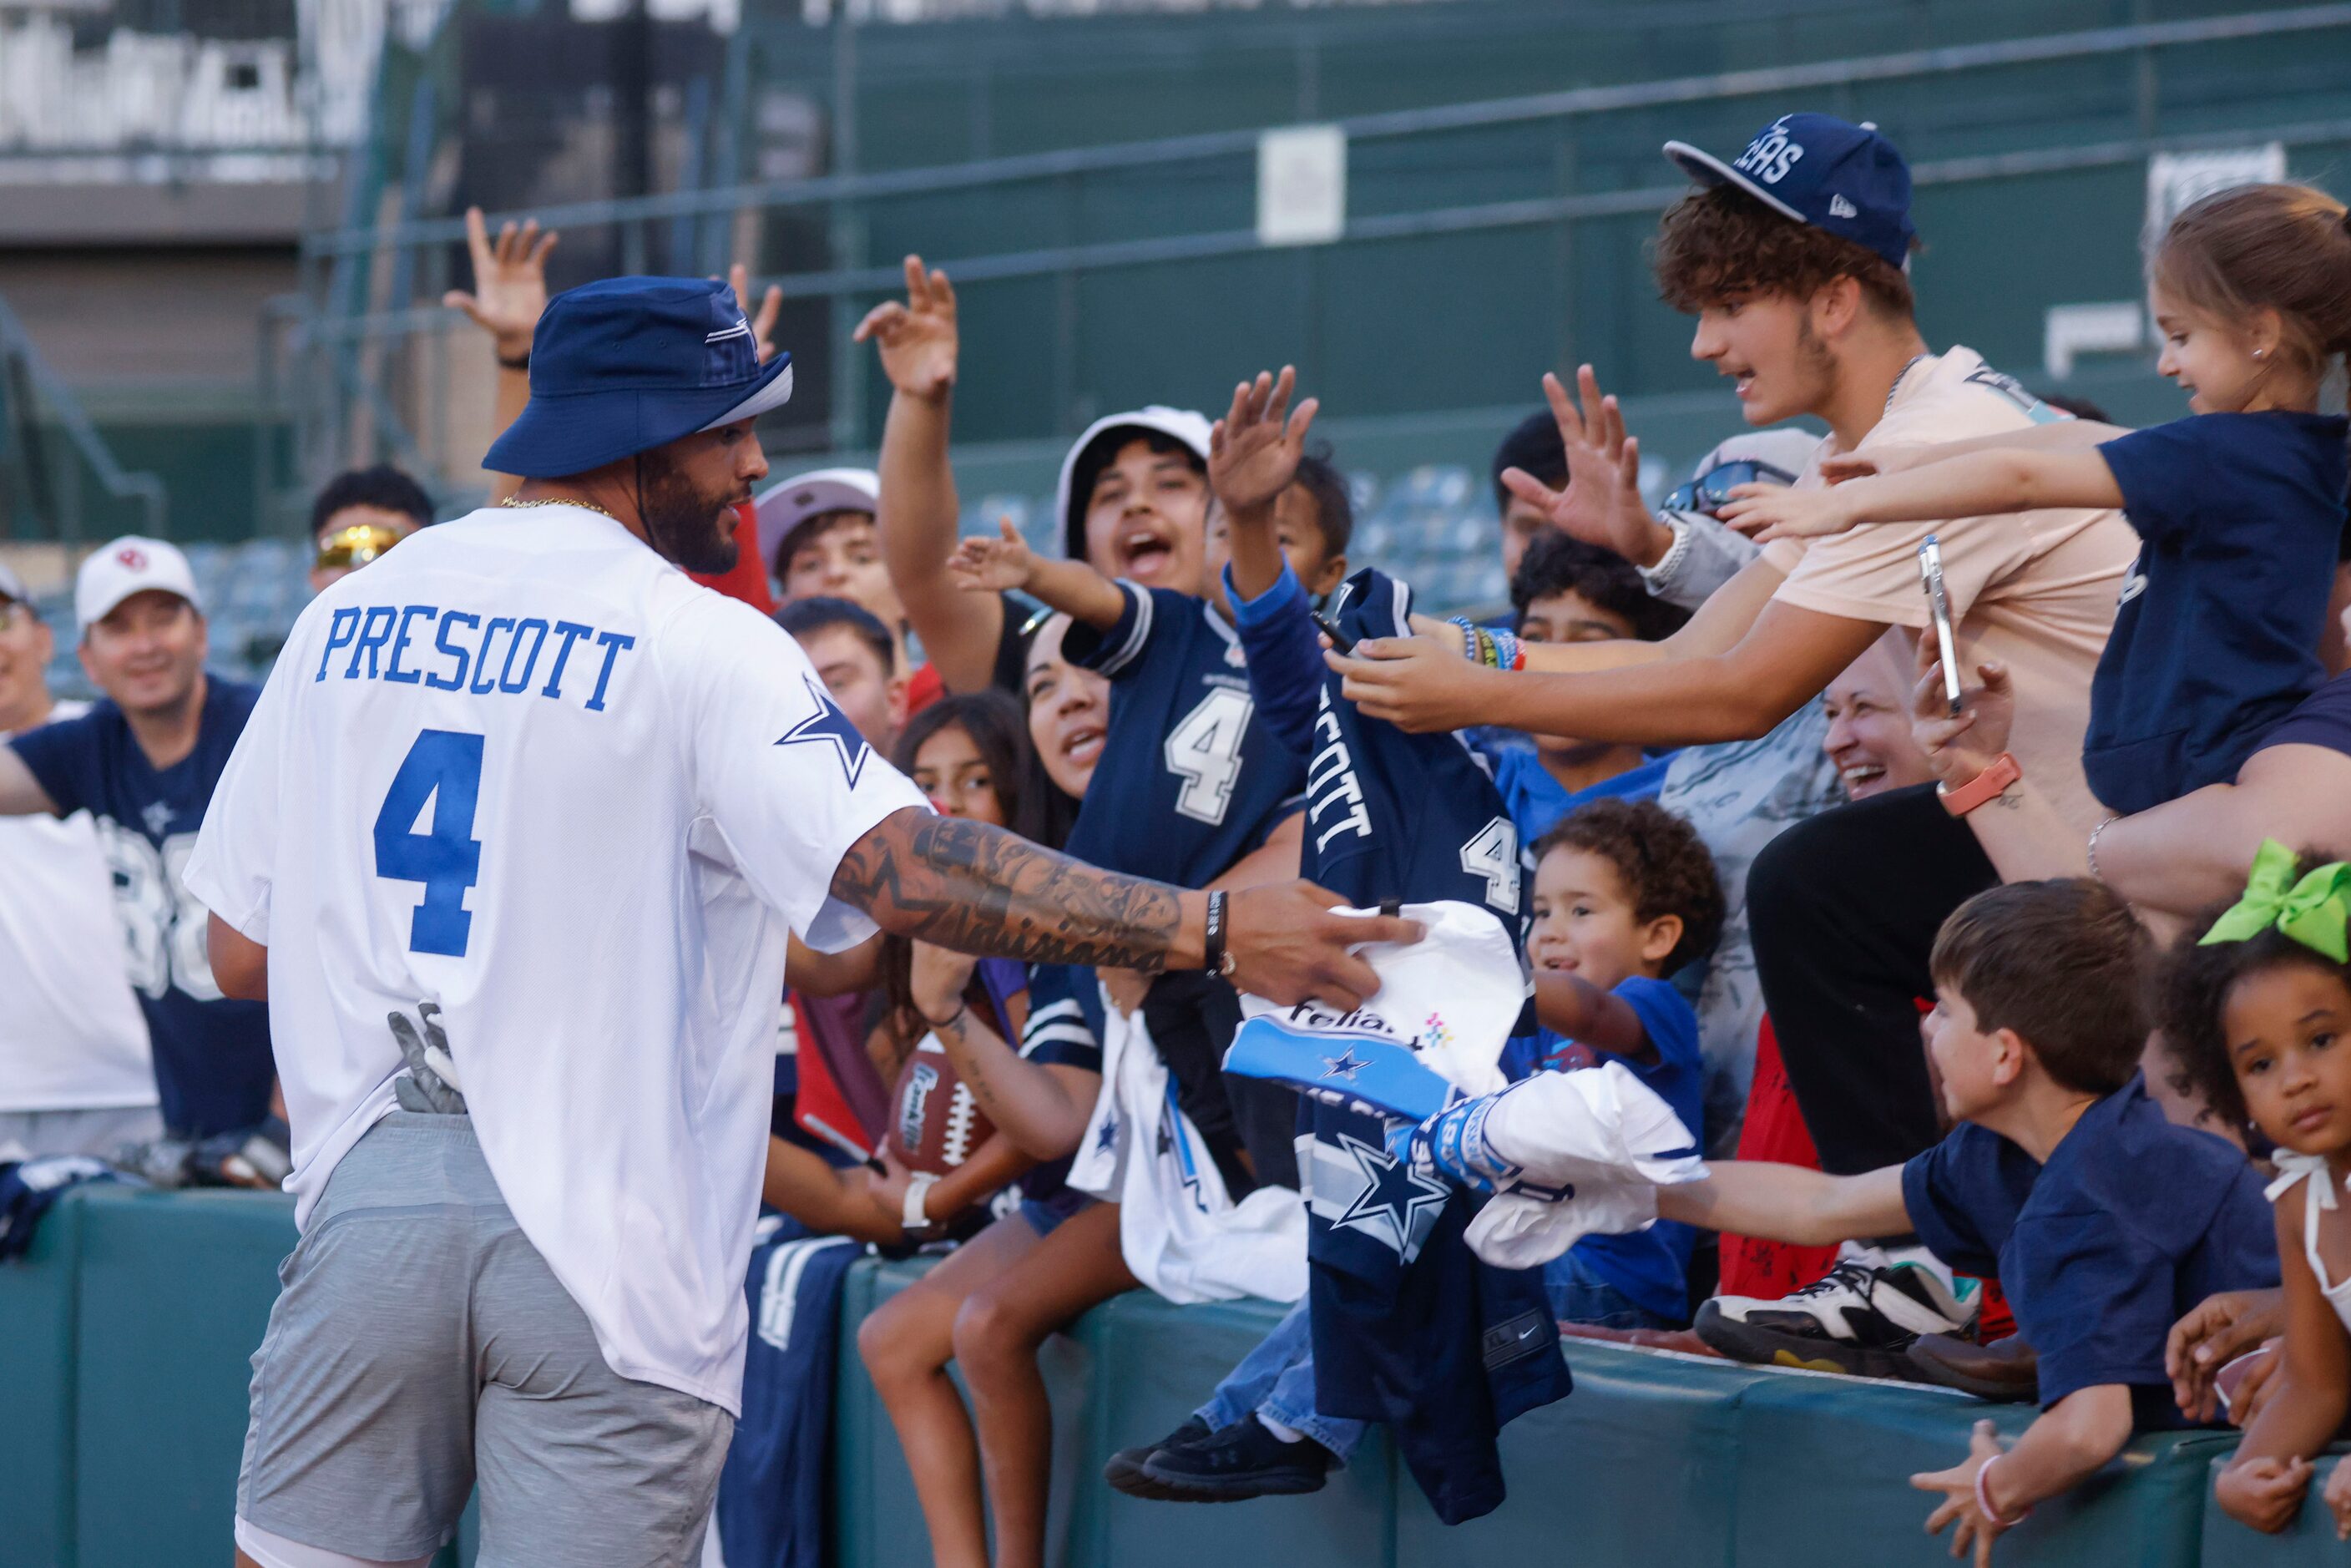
(2037, 590)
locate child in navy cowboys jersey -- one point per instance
(1191, 788)
(1393, 815)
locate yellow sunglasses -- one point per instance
(354, 547)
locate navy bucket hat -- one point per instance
(627, 364)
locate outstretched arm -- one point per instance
(919, 345)
(508, 297)
(1781, 662)
(1978, 483)
(982, 890)
(1789, 1202)
(1000, 565)
(1572, 1006)
(21, 794)
(1253, 455)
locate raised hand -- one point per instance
(1960, 747)
(771, 305)
(1601, 503)
(1002, 565)
(1253, 451)
(509, 282)
(918, 339)
(1768, 512)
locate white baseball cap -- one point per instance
(1191, 429)
(12, 586)
(126, 566)
(785, 507)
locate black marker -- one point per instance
(1339, 640)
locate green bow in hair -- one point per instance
(2313, 912)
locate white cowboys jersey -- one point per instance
(527, 771)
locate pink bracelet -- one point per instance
(1983, 1497)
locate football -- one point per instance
(935, 1123)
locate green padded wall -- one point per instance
(1815, 1447)
(176, 1291)
(37, 1368)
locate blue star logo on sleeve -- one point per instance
(1398, 1204)
(830, 726)
(1347, 1064)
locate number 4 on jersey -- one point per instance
(1205, 751)
(445, 768)
(1492, 853)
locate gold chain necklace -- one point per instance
(583, 506)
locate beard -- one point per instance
(685, 524)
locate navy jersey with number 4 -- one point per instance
(213, 1066)
(1409, 1326)
(1190, 779)
(1394, 815)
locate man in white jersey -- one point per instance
(75, 1077)
(525, 787)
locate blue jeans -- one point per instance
(1276, 1380)
(1579, 1295)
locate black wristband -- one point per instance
(522, 363)
(1213, 956)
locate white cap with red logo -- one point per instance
(127, 566)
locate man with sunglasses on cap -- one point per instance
(75, 1074)
(1794, 258)
(514, 844)
(358, 516)
(144, 764)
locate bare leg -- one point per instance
(905, 1344)
(996, 1335)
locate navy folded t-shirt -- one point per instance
(2240, 520)
(2132, 1222)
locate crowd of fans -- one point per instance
(1702, 770)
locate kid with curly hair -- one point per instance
(2257, 1005)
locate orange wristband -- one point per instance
(1985, 785)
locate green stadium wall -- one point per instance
(130, 1326)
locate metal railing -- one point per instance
(846, 196)
(34, 403)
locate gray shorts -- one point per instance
(28, 1135)
(420, 1346)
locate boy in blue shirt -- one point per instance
(1565, 590)
(2104, 1222)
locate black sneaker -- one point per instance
(1861, 1320)
(1240, 1462)
(1125, 1471)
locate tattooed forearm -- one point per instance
(979, 889)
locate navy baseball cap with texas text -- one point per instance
(1821, 171)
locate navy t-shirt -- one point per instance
(1064, 1029)
(213, 1066)
(1650, 1266)
(1389, 815)
(2241, 519)
(2132, 1222)
(1190, 779)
